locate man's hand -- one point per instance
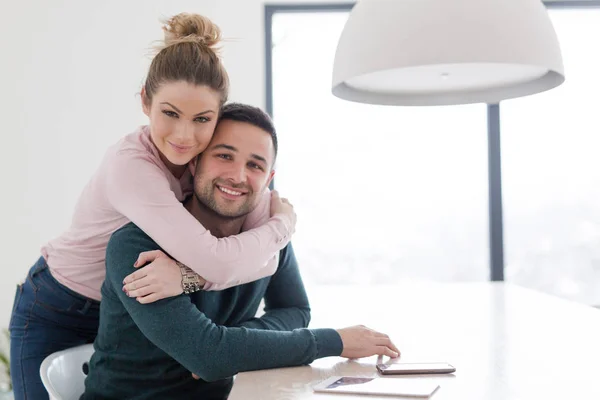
(281, 205)
(160, 279)
(360, 341)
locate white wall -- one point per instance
(70, 71)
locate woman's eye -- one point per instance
(224, 156)
(171, 114)
(202, 119)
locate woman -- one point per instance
(143, 179)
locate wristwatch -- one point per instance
(190, 281)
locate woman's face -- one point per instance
(183, 117)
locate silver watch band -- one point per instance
(190, 281)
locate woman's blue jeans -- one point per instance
(46, 317)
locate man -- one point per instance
(146, 351)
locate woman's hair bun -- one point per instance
(187, 27)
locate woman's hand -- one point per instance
(159, 279)
(281, 205)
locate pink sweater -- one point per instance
(132, 184)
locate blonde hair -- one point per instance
(188, 53)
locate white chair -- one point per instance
(62, 372)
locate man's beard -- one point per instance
(206, 198)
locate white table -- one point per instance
(506, 342)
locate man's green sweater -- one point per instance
(148, 351)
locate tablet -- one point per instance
(377, 386)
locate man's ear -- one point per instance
(193, 164)
(271, 175)
(145, 103)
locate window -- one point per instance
(551, 171)
(383, 194)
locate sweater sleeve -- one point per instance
(258, 217)
(138, 189)
(210, 351)
(286, 303)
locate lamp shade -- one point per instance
(443, 52)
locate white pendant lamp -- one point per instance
(443, 52)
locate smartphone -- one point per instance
(415, 368)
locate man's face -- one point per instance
(235, 169)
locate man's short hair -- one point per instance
(251, 115)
